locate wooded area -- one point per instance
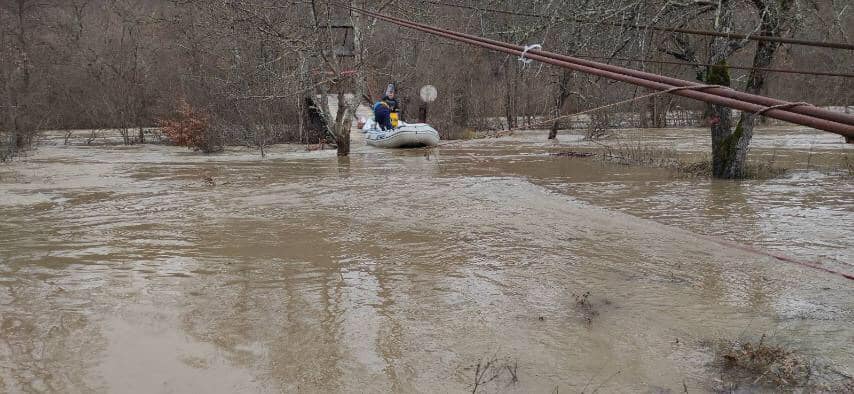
(258, 71)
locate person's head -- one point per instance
(390, 94)
(389, 91)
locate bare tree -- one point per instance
(265, 70)
(731, 144)
(18, 20)
(343, 80)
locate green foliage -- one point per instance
(718, 74)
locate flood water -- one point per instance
(123, 269)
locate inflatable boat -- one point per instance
(406, 135)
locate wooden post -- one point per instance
(422, 113)
(848, 140)
(428, 94)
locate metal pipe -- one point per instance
(692, 64)
(818, 118)
(731, 93)
(739, 36)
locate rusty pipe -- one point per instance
(726, 97)
(739, 36)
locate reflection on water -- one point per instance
(122, 270)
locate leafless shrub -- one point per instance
(763, 170)
(494, 369)
(599, 386)
(117, 64)
(598, 126)
(584, 306)
(848, 165)
(571, 154)
(754, 169)
(638, 153)
(67, 136)
(320, 145)
(700, 168)
(191, 128)
(763, 365)
(93, 135)
(7, 149)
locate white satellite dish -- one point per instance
(428, 93)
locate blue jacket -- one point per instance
(392, 103)
(382, 114)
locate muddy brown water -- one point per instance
(123, 270)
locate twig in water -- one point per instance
(605, 381)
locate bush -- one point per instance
(191, 128)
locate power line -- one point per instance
(794, 41)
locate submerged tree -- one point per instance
(730, 144)
(339, 57)
(263, 70)
(18, 35)
(316, 66)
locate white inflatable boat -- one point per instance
(406, 135)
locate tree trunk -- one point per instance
(725, 142)
(765, 50)
(510, 96)
(17, 86)
(422, 113)
(346, 110)
(460, 114)
(312, 117)
(662, 107)
(343, 142)
(341, 124)
(646, 112)
(562, 95)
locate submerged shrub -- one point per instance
(759, 365)
(191, 128)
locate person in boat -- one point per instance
(386, 109)
(389, 97)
